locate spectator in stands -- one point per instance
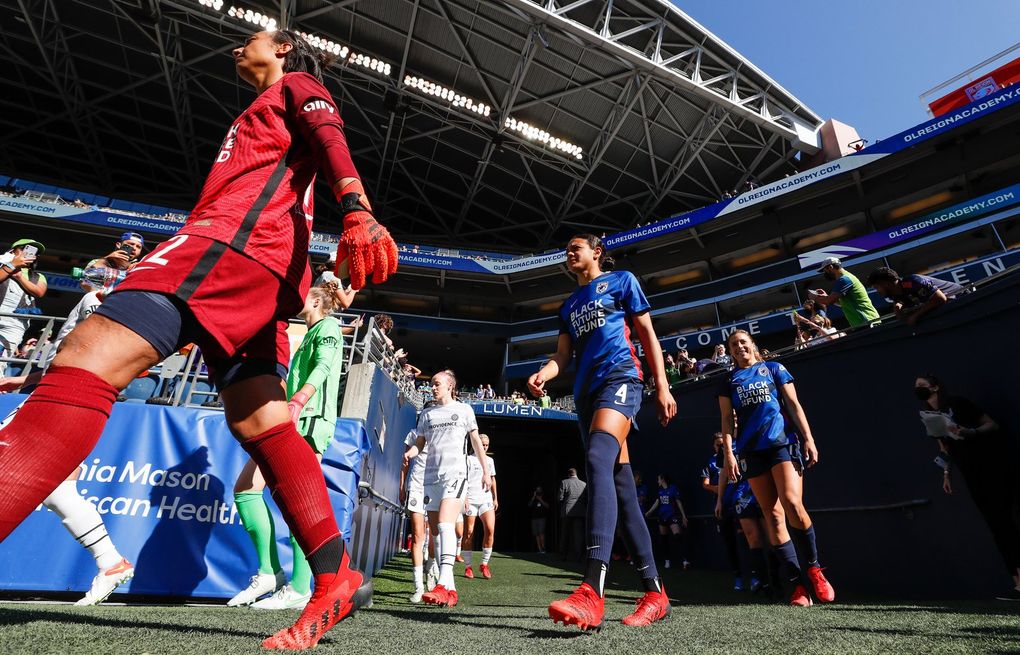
(972, 442)
(126, 254)
(490, 394)
(673, 372)
(545, 401)
(847, 292)
(814, 331)
(573, 509)
(20, 286)
(811, 309)
(325, 275)
(914, 296)
(720, 357)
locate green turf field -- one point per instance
(508, 614)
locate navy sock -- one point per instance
(634, 527)
(603, 449)
(805, 540)
(729, 535)
(789, 565)
(757, 557)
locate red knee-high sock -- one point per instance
(53, 431)
(295, 479)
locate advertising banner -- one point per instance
(987, 203)
(510, 410)
(162, 478)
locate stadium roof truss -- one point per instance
(510, 123)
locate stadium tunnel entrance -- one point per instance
(528, 453)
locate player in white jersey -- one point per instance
(480, 503)
(412, 489)
(445, 427)
(79, 516)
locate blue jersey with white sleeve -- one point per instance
(713, 469)
(756, 397)
(597, 317)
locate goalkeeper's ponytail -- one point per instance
(303, 57)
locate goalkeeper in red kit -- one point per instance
(227, 281)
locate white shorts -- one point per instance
(477, 509)
(416, 499)
(440, 491)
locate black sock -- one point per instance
(651, 584)
(595, 575)
(327, 558)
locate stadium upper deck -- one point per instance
(508, 123)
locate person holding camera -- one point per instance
(127, 253)
(20, 286)
(972, 442)
(538, 509)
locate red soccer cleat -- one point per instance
(441, 596)
(336, 597)
(823, 590)
(468, 572)
(583, 608)
(651, 607)
(458, 558)
(800, 597)
(486, 573)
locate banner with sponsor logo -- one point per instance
(511, 410)
(163, 478)
(990, 202)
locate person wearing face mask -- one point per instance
(847, 292)
(972, 443)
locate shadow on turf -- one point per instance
(983, 609)
(22, 616)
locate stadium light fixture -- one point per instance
(454, 99)
(533, 133)
(268, 23)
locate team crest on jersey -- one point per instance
(454, 417)
(412, 502)
(763, 370)
(601, 287)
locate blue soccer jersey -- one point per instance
(598, 319)
(754, 392)
(667, 504)
(713, 470)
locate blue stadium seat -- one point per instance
(139, 390)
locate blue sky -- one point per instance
(863, 62)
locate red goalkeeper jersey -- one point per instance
(258, 196)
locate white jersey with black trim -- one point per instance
(416, 476)
(475, 492)
(446, 429)
(81, 311)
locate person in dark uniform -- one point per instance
(972, 443)
(672, 519)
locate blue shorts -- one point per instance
(745, 505)
(759, 462)
(672, 520)
(620, 393)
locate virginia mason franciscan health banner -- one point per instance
(163, 479)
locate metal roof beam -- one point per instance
(799, 130)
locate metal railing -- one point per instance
(375, 348)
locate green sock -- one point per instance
(254, 513)
(301, 576)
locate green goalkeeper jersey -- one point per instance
(318, 362)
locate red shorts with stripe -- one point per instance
(240, 308)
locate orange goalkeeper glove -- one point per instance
(366, 247)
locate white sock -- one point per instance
(447, 553)
(460, 551)
(83, 522)
(418, 578)
(486, 554)
(468, 554)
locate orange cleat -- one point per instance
(468, 572)
(441, 596)
(583, 608)
(336, 597)
(486, 573)
(458, 558)
(823, 590)
(800, 597)
(651, 607)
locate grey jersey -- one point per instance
(446, 429)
